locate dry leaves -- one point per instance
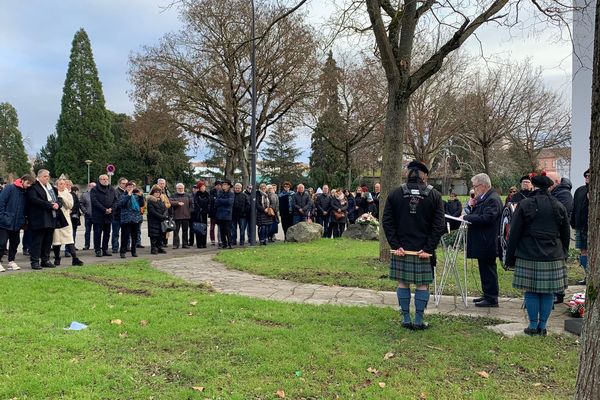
(198, 388)
(143, 323)
(193, 303)
(372, 370)
(537, 384)
(116, 322)
(382, 384)
(280, 393)
(388, 355)
(422, 396)
(123, 335)
(483, 374)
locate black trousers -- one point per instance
(184, 226)
(225, 232)
(101, 236)
(489, 278)
(287, 220)
(337, 228)
(14, 238)
(88, 231)
(190, 234)
(129, 234)
(70, 248)
(41, 242)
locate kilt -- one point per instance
(540, 276)
(411, 269)
(580, 239)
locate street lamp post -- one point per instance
(88, 162)
(252, 237)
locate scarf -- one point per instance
(135, 206)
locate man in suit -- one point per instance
(482, 237)
(104, 200)
(42, 210)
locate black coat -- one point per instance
(322, 203)
(453, 207)
(201, 206)
(413, 221)
(212, 211)
(539, 230)
(300, 201)
(285, 203)
(361, 202)
(75, 211)
(157, 213)
(103, 198)
(579, 215)
(336, 205)
(262, 203)
(241, 206)
(482, 237)
(40, 214)
(562, 193)
(224, 205)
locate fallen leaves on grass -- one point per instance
(434, 348)
(372, 370)
(483, 374)
(116, 322)
(193, 303)
(382, 384)
(388, 355)
(143, 323)
(198, 388)
(537, 384)
(280, 393)
(124, 335)
(422, 396)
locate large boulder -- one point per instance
(304, 232)
(361, 232)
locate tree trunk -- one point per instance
(348, 162)
(391, 171)
(485, 152)
(244, 165)
(588, 378)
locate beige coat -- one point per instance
(64, 235)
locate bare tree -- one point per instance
(588, 377)
(203, 72)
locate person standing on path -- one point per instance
(579, 221)
(85, 205)
(413, 222)
(182, 205)
(116, 221)
(224, 212)
(104, 200)
(538, 247)
(64, 235)
(12, 217)
(130, 205)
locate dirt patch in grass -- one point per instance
(108, 284)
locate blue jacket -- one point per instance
(224, 205)
(12, 208)
(128, 214)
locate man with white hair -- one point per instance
(482, 238)
(182, 205)
(301, 204)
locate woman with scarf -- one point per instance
(202, 202)
(265, 215)
(538, 247)
(64, 235)
(130, 205)
(157, 213)
(338, 213)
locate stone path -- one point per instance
(202, 268)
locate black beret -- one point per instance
(218, 182)
(227, 181)
(542, 181)
(525, 178)
(418, 165)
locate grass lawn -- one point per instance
(347, 262)
(172, 337)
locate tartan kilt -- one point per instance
(411, 269)
(540, 276)
(580, 239)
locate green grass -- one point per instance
(241, 348)
(352, 263)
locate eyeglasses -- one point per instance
(586, 176)
(479, 184)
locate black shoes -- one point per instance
(133, 254)
(407, 325)
(139, 246)
(57, 261)
(98, 254)
(154, 251)
(582, 282)
(420, 327)
(535, 332)
(486, 303)
(123, 255)
(185, 247)
(77, 261)
(48, 265)
(36, 266)
(162, 251)
(175, 247)
(106, 254)
(559, 299)
(478, 299)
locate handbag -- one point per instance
(167, 225)
(270, 212)
(339, 214)
(199, 228)
(60, 221)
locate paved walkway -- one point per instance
(202, 268)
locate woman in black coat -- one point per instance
(157, 213)
(339, 205)
(200, 215)
(263, 219)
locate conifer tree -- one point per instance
(13, 158)
(279, 158)
(83, 130)
(325, 162)
(46, 156)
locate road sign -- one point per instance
(110, 169)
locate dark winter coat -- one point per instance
(224, 205)
(285, 203)
(12, 207)
(262, 203)
(539, 230)
(375, 197)
(361, 203)
(117, 210)
(482, 238)
(323, 203)
(520, 196)
(372, 208)
(414, 221)
(213, 197)
(351, 209)
(157, 213)
(40, 214)
(562, 193)
(241, 206)
(335, 205)
(184, 211)
(75, 211)
(453, 207)
(85, 204)
(201, 206)
(579, 215)
(128, 214)
(301, 201)
(102, 198)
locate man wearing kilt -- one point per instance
(413, 222)
(538, 247)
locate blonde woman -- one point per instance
(64, 235)
(338, 212)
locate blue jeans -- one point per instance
(116, 227)
(263, 232)
(242, 223)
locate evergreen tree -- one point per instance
(13, 160)
(325, 162)
(279, 158)
(83, 130)
(46, 157)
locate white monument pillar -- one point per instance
(581, 101)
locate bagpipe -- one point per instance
(507, 216)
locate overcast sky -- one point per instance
(36, 43)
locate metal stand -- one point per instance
(450, 268)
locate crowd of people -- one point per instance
(48, 215)
(538, 241)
